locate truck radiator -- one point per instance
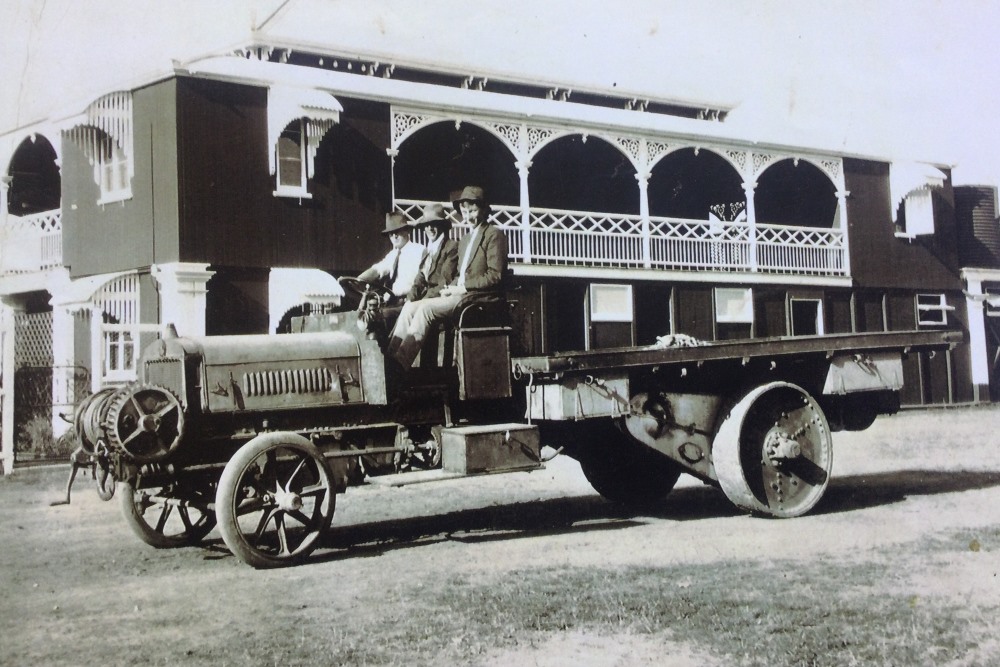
(287, 381)
(167, 373)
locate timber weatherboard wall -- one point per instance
(119, 236)
(979, 231)
(229, 214)
(880, 260)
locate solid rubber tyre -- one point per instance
(163, 521)
(275, 500)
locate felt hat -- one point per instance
(473, 193)
(395, 222)
(433, 214)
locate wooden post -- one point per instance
(7, 426)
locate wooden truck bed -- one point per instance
(829, 344)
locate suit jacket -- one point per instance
(488, 264)
(436, 271)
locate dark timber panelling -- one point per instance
(769, 312)
(978, 227)
(526, 301)
(652, 312)
(878, 258)
(695, 311)
(136, 232)
(237, 301)
(565, 315)
(900, 307)
(229, 215)
(838, 312)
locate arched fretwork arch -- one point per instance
(796, 192)
(569, 218)
(583, 174)
(438, 160)
(33, 183)
(687, 183)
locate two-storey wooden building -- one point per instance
(627, 218)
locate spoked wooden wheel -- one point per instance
(164, 519)
(275, 499)
(773, 454)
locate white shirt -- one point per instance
(410, 256)
(469, 250)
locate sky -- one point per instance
(914, 79)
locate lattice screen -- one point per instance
(33, 339)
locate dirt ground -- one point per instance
(77, 588)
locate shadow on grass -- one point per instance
(562, 516)
(857, 492)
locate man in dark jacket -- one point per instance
(482, 264)
(440, 265)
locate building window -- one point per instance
(112, 173)
(932, 310)
(611, 312)
(104, 136)
(290, 156)
(297, 121)
(733, 313)
(806, 317)
(117, 336)
(118, 355)
(918, 214)
(610, 303)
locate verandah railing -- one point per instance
(30, 242)
(582, 239)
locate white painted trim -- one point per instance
(446, 100)
(707, 277)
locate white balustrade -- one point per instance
(31, 242)
(585, 239)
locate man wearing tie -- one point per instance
(482, 256)
(398, 269)
(440, 265)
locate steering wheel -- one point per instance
(354, 286)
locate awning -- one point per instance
(287, 103)
(906, 177)
(288, 288)
(78, 294)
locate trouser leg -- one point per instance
(424, 314)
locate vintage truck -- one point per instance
(258, 434)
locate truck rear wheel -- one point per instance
(622, 470)
(275, 500)
(773, 454)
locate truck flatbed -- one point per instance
(655, 355)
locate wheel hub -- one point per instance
(781, 448)
(146, 422)
(150, 423)
(288, 501)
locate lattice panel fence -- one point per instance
(33, 339)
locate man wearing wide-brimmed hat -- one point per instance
(440, 265)
(482, 264)
(397, 270)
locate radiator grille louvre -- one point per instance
(167, 373)
(288, 381)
